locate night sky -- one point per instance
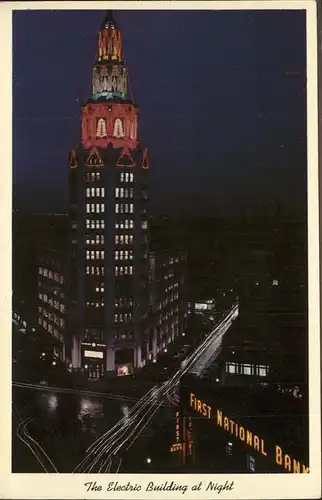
(221, 97)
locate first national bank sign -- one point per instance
(245, 435)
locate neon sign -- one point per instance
(246, 436)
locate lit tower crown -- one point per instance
(109, 117)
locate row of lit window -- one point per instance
(94, 254)
(95, 192)
(169, 288)
(53, 331)
(50, 274)
(124, 208)
(123, 192)
(247, 369)
(171, 261)
(99, 289)
(95, 223)
(92, 177)
(168, 276)
(124, 302)
(95, 304)
(169, 299)
(51, 302)
(55, 319)
(95, 270)
(125, 224)
(126, 177)
(99, 240)
(123, 270)
(97, 208)
(123, 239)
(52, 316)
(122, 318)
(123, 254)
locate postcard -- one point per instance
(160, 257)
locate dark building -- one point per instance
(255, 430)
(270, 337)
(108, 175)
(24, 250)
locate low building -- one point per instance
(52, 297)
(249, 430)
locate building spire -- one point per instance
(109, 40)
(109, 21)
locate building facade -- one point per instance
(168, 302)
(52, 282)
(108, 178)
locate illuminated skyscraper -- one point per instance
(108, 174)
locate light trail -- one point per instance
(118, 439)
(55, 389)
(35, 448)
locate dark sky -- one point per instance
(221, 97)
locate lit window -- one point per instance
(229, 448)
(231, 367)
(118, 128)
(88, 192)
(251, 463)
(117, 208)
(87, 208)
(262, 370)
(101, 128)
(144, 224)
(246, 369)
(275, 283)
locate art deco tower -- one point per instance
(109, 224)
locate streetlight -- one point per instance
(217, 379)
(165, 350)
(93, 344)
(154, 360)
(54, 363)
(148, 460)
(183, 334)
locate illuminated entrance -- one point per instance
(93, 359)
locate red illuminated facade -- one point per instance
(108, 176)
